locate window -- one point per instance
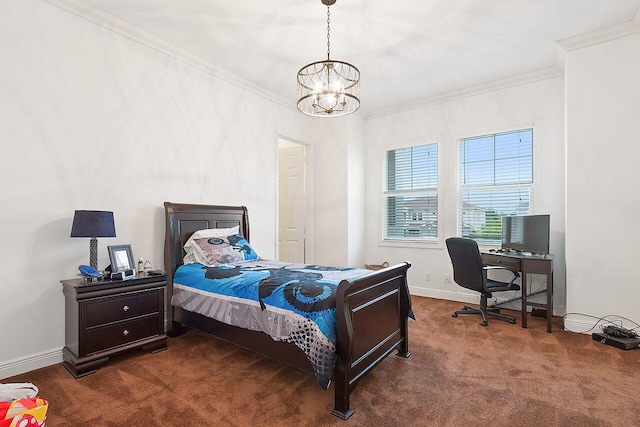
(496, 180)
(410, 196)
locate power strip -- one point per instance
(618, 342)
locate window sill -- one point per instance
(414, 244)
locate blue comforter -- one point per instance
(290, 302)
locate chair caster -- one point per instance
(485, 323)
(513, 322)
(454, 315)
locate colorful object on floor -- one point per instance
(25, 412)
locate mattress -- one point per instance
(289, 302)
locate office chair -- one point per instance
(470, 273)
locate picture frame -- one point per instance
(121, 258)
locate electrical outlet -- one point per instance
(428, 277)
(447, 278)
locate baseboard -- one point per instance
(30, 363)
(471, 298)
(579, 327)
(51, 357)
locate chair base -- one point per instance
(495, 312)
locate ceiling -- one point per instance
(406, 50)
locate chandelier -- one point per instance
(328, 88)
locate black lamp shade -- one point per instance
(93, 224)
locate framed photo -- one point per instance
(121, 258)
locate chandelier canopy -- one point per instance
(328, 88)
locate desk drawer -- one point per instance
(126, 306)
(106, 337)
(503, 261)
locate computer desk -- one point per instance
(536, 264)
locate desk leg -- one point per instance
(549, 299)
(523, 282)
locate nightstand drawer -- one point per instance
(109, 336)
(502, 261)
(123, 307)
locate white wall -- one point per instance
(356, 210)
(603, 148)
(339, 185)
(95, 120)
(90, 119)
(538, 104)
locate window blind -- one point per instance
(496, 179)
(411, 193)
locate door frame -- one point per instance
(308, 200)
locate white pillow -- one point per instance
(200, 234)
(215, 251)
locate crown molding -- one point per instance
(601, 36)
(564, 46)
(123, 28)
(523, 79)
(118, 26)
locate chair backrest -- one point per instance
(467, 263)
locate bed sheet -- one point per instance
(289, 302)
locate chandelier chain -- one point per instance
(328, 32)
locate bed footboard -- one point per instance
(372, 314)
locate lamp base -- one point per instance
(93, 253)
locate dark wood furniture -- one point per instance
(107, 317)
(527, 264)
(371, 311)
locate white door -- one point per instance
(291, 221)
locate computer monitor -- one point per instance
(526, 233)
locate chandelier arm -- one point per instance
(346, 77)
(328, 88)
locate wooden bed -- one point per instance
(371, 311)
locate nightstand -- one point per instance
(107, 317)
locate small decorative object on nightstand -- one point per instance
(109, 317)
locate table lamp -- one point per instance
(93, 224)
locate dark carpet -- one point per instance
(459, 373)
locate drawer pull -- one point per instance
(125, 308)
(125, 332)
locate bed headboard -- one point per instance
(182, 220)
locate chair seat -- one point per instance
(492, 285)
